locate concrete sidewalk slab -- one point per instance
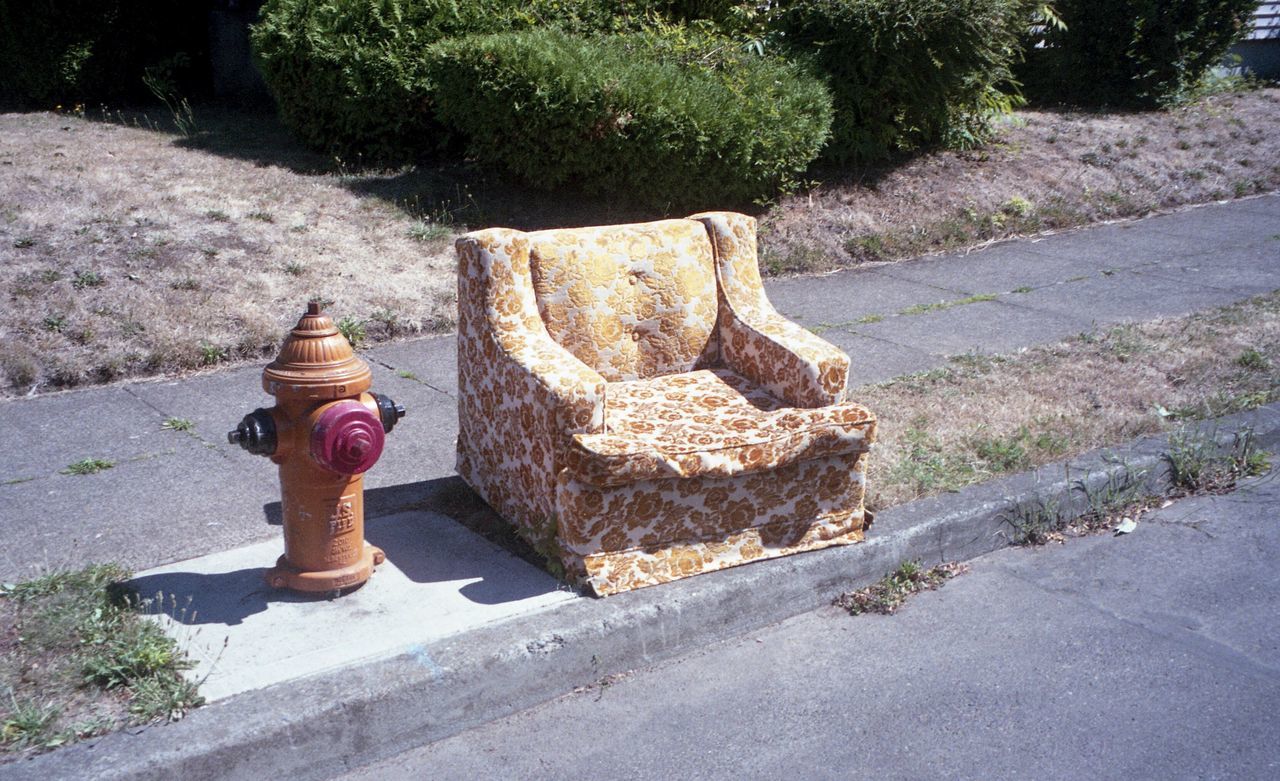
(1126, 295)
(153, 525)
(438, 581)
(984, 326)
(809, 302)
(173, 504)
(60, 429)
(1247, 271)
(878, 360)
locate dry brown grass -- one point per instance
(131, 251)
(122, 252)
(984, 416)
(1047, 170)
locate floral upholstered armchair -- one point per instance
(629, 399)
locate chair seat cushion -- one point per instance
(710, 422)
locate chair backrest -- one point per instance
(630, 301)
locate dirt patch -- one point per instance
(128, 249)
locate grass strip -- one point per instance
(984, 416)
(78, 659)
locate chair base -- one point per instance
(617, 538)
(613, 573)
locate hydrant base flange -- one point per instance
(285, 575)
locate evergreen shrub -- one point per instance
(670, 119)
(908, 74)
(348, 75)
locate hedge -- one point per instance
(348, 78)
(1131, 52)
(92, 51)
(907, 74)
(667, 120)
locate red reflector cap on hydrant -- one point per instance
(325, 432)
(347, 438)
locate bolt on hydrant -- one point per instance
(325, 432)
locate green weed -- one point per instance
(1253, 360)
(87, 279)
(1199, 464)
(29, 723)
(177, 424)
(353, 328)
(84, 647)
(886, 596)
(211, 353)
(918, 309)
(424, 231)
(88, 466)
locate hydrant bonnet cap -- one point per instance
(316, 356)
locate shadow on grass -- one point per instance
(449, 192)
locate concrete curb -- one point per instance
(321, 726)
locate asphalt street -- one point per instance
(1150, 655)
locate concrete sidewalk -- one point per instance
(175, 495)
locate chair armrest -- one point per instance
(513, 376)
(782, 357)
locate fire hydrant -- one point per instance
(325, 432)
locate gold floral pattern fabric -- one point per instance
(630, 301)
(782, 357)
(712, 423)
(629, 397)
(617, 538)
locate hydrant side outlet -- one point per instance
(325, 431)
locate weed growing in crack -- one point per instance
(88, 466)
(1199, 464)
(886, 596)
(177, 424)
(1124, 494)
(1035, 523)
(1087, 506)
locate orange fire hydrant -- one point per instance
(325, 432)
